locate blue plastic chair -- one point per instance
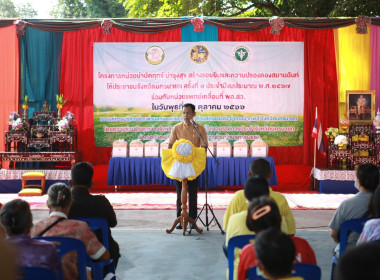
(238, 241)
(65, 245)
(305, 270)
(36, 273)
(356, 225)
(97, 268)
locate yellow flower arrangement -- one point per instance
(179, 167)
(25, 102)
(332, 132)
(177, 156)
(60, 101)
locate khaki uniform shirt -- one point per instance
(184, 131)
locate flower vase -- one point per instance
(59, 113)
(331, 139)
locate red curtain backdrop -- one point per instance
(77, 80)
(9, 77)
(321, 89)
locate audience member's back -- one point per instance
(371, 230)
(263, 214)
(261, 167)
(361, 262)
(16, 218)
(85, 205)
(275, 252)
(367, 179)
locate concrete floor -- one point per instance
(148, 252)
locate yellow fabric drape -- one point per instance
(9, 77)
(353, 53)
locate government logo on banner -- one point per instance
(241, 54)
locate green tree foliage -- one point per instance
(9, 10)
(251, 8)
(88, 9)
(26, 11)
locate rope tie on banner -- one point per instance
(277, 24)
(107, 25)
(20, 27)
(361, 24)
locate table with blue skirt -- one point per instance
(148, 171)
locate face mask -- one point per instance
(356, 183)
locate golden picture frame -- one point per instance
(360, 105)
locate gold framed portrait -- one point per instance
(360, 105)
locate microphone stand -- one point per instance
(206, 206)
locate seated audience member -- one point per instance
(361, 262)
(16, 218)
(85, 205)
(59, 202)
(2, 229)
(253, 188)
(275, 253)
(371, 230)
(261, 167)
(367, 179)
(263, 213)
(8, 268)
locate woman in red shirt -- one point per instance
(263, 213)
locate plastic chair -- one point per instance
(356, 225)
(305, 270)
(36, 273)
(238, 241)
(97, 268)
(65, 245)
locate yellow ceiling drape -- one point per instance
(353, 55)
(9, 77)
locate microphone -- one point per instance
(194, 124)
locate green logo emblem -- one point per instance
(241, 54)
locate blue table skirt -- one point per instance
(148, 171)
(332, 186)
(14, 186)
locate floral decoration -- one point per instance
(341, 139)
(198, 24)
(13, 117)
(177, 156)
(332, 132)
(18, 124)
(60, 101)
(69, 117)
(63, 125)
(25, 102)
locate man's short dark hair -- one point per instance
(361, 262)
(256, 187)
(260, 167)
(81, 174)
(190, 105)
(368, 176)
(275, 251)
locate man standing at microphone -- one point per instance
(186, 130)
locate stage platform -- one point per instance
(290, 179)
